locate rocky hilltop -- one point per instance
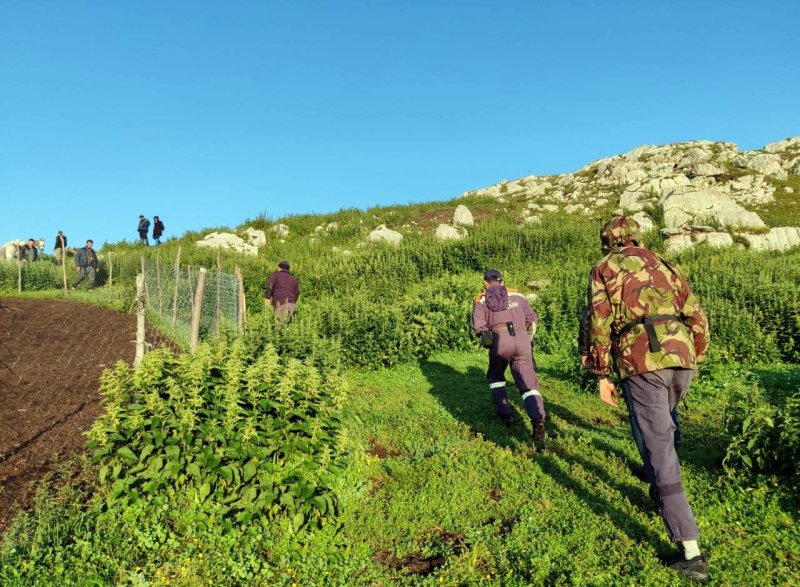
(694, 192)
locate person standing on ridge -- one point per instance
(60, 248)
(282, 292)
(642, 312)
(143, 229)
(86, 262)
(506, 323)
(158, 229)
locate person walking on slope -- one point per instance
(642, 312)
(506, 323)
(282, 292)
(143, 229)
(158, 229)
(86, 262)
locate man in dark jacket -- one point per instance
(506, 323)
(29, 251)
(86, 262)
(60, 247)
(143, 229)
(643, 315)
(158, 229)
(282, 292)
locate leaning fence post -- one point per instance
(198, 308)
(175, 294)
(140, 311)
(240, 306)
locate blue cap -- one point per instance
(492, 275)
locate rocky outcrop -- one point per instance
(776, 239)
(689, 184)
(227, 241)
(688, 205)
(678, 240)
(386, 235)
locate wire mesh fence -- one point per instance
(189, 304)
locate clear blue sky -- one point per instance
(208, 113)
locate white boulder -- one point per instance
(445, 232)
(462, 216)
(386, 235)
(256, 237)
(281, 230)
(777, 239)
(227, 241)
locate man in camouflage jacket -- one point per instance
(642, 313)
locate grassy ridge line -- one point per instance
(434, 478)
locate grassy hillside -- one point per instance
(406, 478)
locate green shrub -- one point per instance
(763, 425)
(248, 434)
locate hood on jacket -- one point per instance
(497, 298)
(620, 231)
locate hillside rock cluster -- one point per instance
(697, 192)
(706, 192)
(230, 241)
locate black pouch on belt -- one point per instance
(487, 339)
(510, 326)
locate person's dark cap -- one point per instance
(284, 264)
(141, 215)
(492, 275)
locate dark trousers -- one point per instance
(83, 273)
(515, 351)
(652, 398)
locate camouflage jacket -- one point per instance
(631, 283)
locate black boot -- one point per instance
(695, 568)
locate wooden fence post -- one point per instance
(217, 317)
(240, 306)
(175, 294)
(158, 283)
(198, 308)
(140, 312)
(64, 268)
(146, 290)
(110, 271)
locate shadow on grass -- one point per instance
(466, 396)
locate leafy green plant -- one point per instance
(250, 436)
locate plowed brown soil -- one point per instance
(52, 353)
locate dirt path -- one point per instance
(52, 354)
